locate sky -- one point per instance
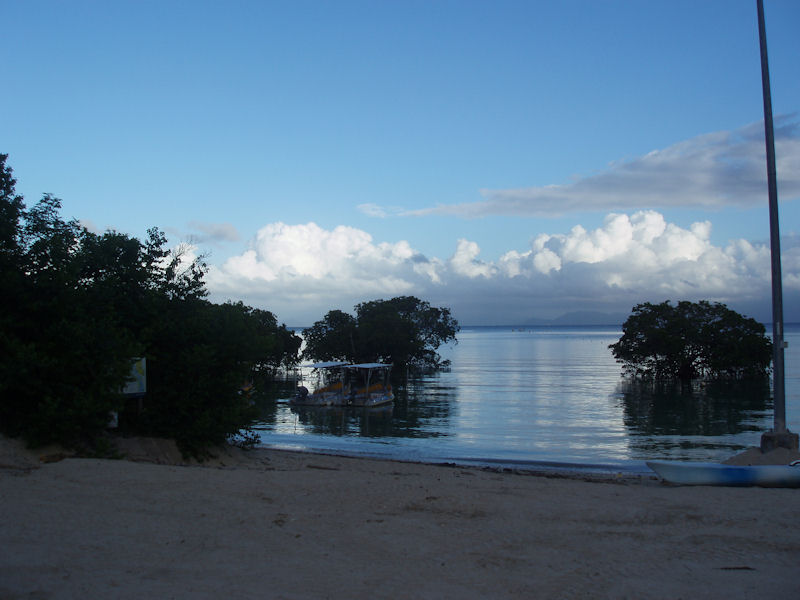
(513, 161)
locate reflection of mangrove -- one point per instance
(672, 447)
(706, 408)
(337, 420)
(422, 408)
(267, 395)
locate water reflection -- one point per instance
(423, 408)
(697, 408)
(331, 420)
(267, 397)
(709, 420)
(552, 394)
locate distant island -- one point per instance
(580, 318)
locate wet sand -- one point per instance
(274, 524)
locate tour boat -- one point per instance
(344, 384)
(329, 388)
(368, 385)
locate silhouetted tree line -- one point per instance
(78, 307)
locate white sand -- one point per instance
(272, 524)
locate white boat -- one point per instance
(689, 473)
(368, 385)
(329, 387)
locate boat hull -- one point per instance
(727, 475)
(373, 400)
(312, 401)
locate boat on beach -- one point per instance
(681, 473)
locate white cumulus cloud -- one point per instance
(302, 271)
(304, 268)
(465, 261)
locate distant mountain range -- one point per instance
(580, 318)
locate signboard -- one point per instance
(137, 380)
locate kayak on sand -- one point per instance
(688, 473)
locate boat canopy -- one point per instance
(370, 366)
(328, 365)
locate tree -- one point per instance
(691, 340)
(199, 357)
(79, 307)
(405, 331)
(332, 338)
(64, 356)
(11, 209)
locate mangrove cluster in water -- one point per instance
(691, 340)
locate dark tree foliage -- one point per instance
(78, 307)
(692, 340)
(11, 209)
(332, 338)
(404, 331)
(199, 358)
(274, 347)
(64, 356)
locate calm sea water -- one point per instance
(533, 395)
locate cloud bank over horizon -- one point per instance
(710, 171)
(300, 272)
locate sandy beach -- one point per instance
(273, 524)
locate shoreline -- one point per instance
(283, 524)
(15, 455)
(609, 470)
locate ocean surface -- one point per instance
(540, 396)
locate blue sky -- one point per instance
(511, 160)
